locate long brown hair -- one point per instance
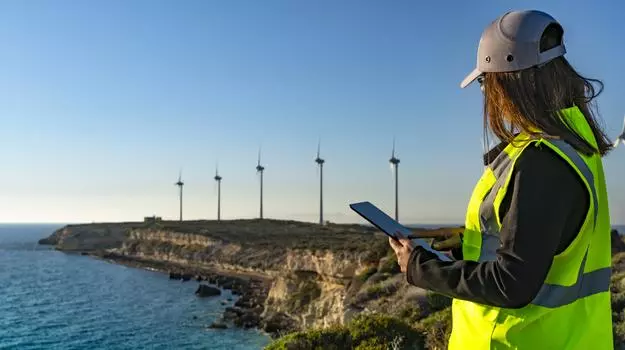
(531, 99)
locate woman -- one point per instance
(533, 271)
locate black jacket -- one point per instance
(542, 212)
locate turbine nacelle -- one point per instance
(179, 183)
(260, 168)
(217, 178)
(319, 161)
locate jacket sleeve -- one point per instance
(542, 212)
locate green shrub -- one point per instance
(379, 277)
(389, 265)
(372, 344)
(384, 330)
(367, 273)
(615, 282)
(376, 249)
(618, 258)
(376, 291)
(412, 314)
(436, 328)
(335, 338)
(437, 301)
(365, 332)
(618, 302)
(618, 332)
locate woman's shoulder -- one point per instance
(541, 163)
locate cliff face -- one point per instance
(87, 237)
(308, 284)
(310, 267)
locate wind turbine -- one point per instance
(621, 137)
(320, 162)
(394, 166)
(218, 179)
(259, 170)
(180, 184)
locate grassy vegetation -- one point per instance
(436, 328)
(437, 301)
(389, 265)
(334, 338)
(617, 288)
(375, 291)
(364, 276)
(365, 332)
(412, 314)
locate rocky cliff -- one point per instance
(311, 271)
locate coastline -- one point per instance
(287, 275)
(249, 290)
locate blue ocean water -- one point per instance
(54, 300)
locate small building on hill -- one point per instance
(152, 219)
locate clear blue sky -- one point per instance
(102, 102)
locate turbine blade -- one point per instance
(623, 130)
(318, 147)
(259, 155)
(393, 153)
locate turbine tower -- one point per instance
(218, 179)
(180, 184)
(259, 170)
(621, 137)
(320, 162)
(394, 166)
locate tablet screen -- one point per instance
(389, 226)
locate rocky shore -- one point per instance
(251, 291)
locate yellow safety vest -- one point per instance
(572, 309)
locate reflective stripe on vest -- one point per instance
(550, 295)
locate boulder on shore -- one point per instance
(275, 322)
(218, 325)
(231, 313)
(204, 290)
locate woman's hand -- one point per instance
(444, 239)
(403, 248)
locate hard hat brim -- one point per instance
(470, 78)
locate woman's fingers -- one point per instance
(453, 242)
(437, 233)
(394, 244)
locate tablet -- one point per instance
(389, 226)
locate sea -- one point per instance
(55, 300)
